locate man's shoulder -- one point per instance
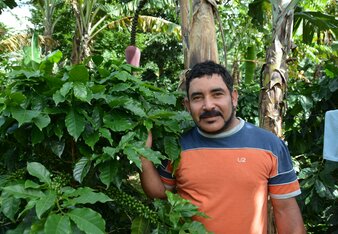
(258, 131)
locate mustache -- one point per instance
(211, 113)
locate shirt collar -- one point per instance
(230, 132)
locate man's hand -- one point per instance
(149, 141)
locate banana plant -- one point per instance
(198, 31)
(287, 19)
(50, 19)
(274, 72)
(14, 43)
(90, 20)
(87, 21)
(149, 24)
(312, 22)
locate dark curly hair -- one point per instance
(208, 68)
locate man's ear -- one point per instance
(186, 104)
(234, 98)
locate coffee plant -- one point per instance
(70, 142)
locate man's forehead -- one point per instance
(209, 80)
(216, 86)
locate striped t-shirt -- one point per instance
(230, 175)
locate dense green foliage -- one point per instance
(89, 128)
(308, 98)
(308, 101)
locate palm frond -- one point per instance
(14, 43)
(148, 24)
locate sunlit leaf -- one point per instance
(75, 123)
(110, 151)
(154, 156)
(54, 57)
(133, 156)
(80, 91)
(314, 22)
(105, 133)
(42, 121)
(109, 172)
(126, 139)
(58, 97)
(117, 101)
(24, 116)
(57, 224)
(66, 87)
(16, 98)
(135, 108)
(86, 195)
(159, 114)
(121, 87)
(31, 184)
(140, 225)
(45, 203)
(32, 53)
(81, 169)
(38, 170)
(18, 191)
(122, 76)
(10, 206)
(166, 98)
(79, 73)
(92, 139)
(117, 123)
(171, 147)
(88, 220)
(305, 173)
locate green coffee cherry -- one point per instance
(132, 205)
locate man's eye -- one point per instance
(218, 94)
(196, 98)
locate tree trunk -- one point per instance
(198, 31)
(76, 47)
(48, 8)
(236, 73)
(81, 40)
(274, 75)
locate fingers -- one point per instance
(149, 141)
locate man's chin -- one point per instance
(214, 127)
(211, 130)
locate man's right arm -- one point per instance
(150, 178)
(151, 181)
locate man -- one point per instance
(228, 167)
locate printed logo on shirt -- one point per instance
(241, 159)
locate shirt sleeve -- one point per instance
(284, 182)
(166, 173)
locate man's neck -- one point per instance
(235, 127)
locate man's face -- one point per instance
(211, 104)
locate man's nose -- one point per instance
(208, 104)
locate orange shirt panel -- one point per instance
(230, 184)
